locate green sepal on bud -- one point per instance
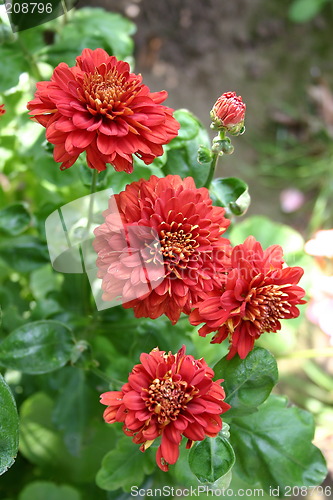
(204, 155)
(222, 146)
(217, 124)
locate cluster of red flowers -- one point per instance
(2, 109)
(162, 251)
(238, 292)
(170, 396)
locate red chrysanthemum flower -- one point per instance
(170, 396)
(229, 113)
(2, 109)
(98, 106)
(177, 251)
(257, 294)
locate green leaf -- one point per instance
(125, 466)
(14, 219)
(24, 253)
(268, 233)
(247, 382)
(93, 28)
(9, 427)
(211, 459)
(189, 125)
(45, 167)
(232, 193)
(273, 447)
(39, 442)
(38, 347)
(12, 64)
(44, 281)
(71, 413)
(301, 11)
(45, 10)
(42, 490)
(182, 151)
(42, 444)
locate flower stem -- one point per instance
(215, 156)
(91, 200)
(64, 8)
(85, 283)
(211, 170)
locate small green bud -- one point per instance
(221, 146)
(204, 155)
(217, 147)
(227, 148)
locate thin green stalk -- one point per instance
(215, 156)
(64, 7)
(211, 170)
(91, 200)
(85, 282)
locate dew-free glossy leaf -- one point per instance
(232, 193)
(9, 427)
(38, 347)
(23, 19)
(247, 382)
(211, 459)
(189, 124)
(274, 447)
(182, 151)
(125, 466)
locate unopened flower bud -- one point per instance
(204, 154)
(228, 113)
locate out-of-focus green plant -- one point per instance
(302, 11)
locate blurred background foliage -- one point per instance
(278, 55)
